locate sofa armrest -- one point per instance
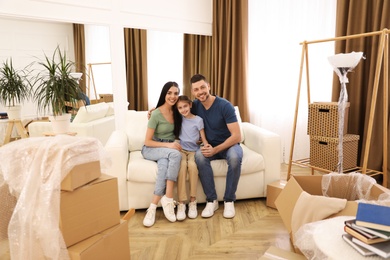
(117, 149)
(100, 128)
(267, 144)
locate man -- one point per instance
(223, 135)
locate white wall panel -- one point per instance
(190, 16)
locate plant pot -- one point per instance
(14, 112)
(60, 124)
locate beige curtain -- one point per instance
(136, 69)
(79, 52)
(197, 59)
(355, 17)
(230, 52)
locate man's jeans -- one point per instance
(233, 155)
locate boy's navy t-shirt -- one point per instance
(216, 119)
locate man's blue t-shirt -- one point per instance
(216, 119)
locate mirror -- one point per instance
(29, 40)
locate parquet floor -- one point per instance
(247, 236)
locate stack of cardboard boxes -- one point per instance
(90, 217)
(323, 128)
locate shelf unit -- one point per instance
(92, 79)
(382, 56)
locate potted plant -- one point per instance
(57, 89)
(15, 88)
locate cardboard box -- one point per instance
(112, 243)
(80, 175)
(273, 191)
(324, 152)
(324, 119)
(288, 197)
(106, 98)
(89, 209)
(279, 254)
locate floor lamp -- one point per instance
(342, 64)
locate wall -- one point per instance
(190, 16)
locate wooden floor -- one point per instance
(248, 235)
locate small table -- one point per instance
(19, 127)
(54, 134)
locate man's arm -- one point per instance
(150, 112)
(234, 138)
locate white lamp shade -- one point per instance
(345, 60)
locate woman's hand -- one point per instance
(174, 145)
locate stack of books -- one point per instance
(369, 233)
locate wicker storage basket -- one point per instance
(324, 152)
(324, 119)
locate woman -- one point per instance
(160, 146)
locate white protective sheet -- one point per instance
(31, 172)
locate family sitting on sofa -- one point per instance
(214, 122)
(137, 176)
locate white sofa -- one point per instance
(95, 120)
(136, 176)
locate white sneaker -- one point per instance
(150, 217)
(181, 212)
(168, 206)
(210, 208)
(192, 211)
(229, 211)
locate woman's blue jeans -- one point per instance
(168, 165)
(233, 156)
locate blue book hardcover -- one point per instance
(373, 216)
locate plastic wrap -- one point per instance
(30, 179)
(322, 239)
(351, 186)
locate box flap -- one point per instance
(286, 201)
(312, 184)
(277, 253)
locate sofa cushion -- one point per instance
(136, 125)
(91, 112)
(110, 110)
(251, 162)
(142, 170)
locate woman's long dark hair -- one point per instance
(176, 119)
(164, 92)
(177, 116)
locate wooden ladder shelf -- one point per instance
(382, 56)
